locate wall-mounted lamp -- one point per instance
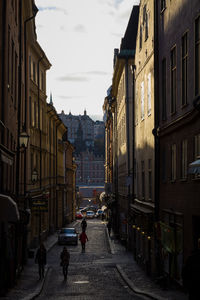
(23, 140)
(34, 176)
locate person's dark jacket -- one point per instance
(41, 256)
(65, 257)
(84, 224)
(191, 274)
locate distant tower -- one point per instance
(51, 101)
(85, 112)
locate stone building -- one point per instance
(123, 131)
(87, 136)
(179, 131)
(144, 196)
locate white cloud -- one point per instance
(79, 37)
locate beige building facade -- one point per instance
(143, 206)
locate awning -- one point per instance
(194, 167)
(140, 209)
(8, 209)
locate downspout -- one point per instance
(39, 121)
(3, 83)
(19, 99)
(26, 94)
(57, 172)
(128, 142)
(50, 206)
(156, 135)
(133, 133)
(156, 111)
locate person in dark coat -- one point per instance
(84, 224)
(83, 238)
(40, 259)
(65, 257)
(191, 275)
(109, 225)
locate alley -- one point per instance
(92, 275)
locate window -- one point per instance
(150, 178)
(163, 170)
(145, 22)
(143, 179)
(197, 56)
(173, 80)
(184, 159)
(149, 94)
(173, 162)
(30, 111)
(16, 77)
(164, 89)
(8, 56)
(197, 146)
(30, 67)
(162, 4)
(142, 100)
(12, 67)
(140, 36)
(34, 72)
(184, 68)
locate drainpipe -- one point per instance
(128, 141)
(50, 206)
(155, 133)
(60, 122)
(39, 121)
(19, 99)
(35, 10)
(3, 82)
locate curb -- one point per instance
(127, 280)
(134, 288)
(38, 289)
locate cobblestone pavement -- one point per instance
(105, 271)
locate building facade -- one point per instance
(122, 130)
(144, 202)
(179, 134)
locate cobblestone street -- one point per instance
(92, 275)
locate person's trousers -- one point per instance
(83, 246)
(41, 270)
(65, 270)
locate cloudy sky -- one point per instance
(79, 37)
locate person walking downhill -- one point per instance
(83, 238)
(109, 225)
(84, 224)
(40, 259)
(65, 257)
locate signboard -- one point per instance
(39, 204)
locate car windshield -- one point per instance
(67, 230)
(90, 213)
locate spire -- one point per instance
(51, 101)
(85, 112)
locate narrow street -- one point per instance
(92, 275)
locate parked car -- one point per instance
(99, 213)
(68, 236)
(90, 214)
(79, 215)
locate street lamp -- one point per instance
(23, 139)
(34, 176)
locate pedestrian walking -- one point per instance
(109, 225)
(40, 259)
(84, 224)
(83, 238)
(65, 257)
(191, 274)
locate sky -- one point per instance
(79, 38)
